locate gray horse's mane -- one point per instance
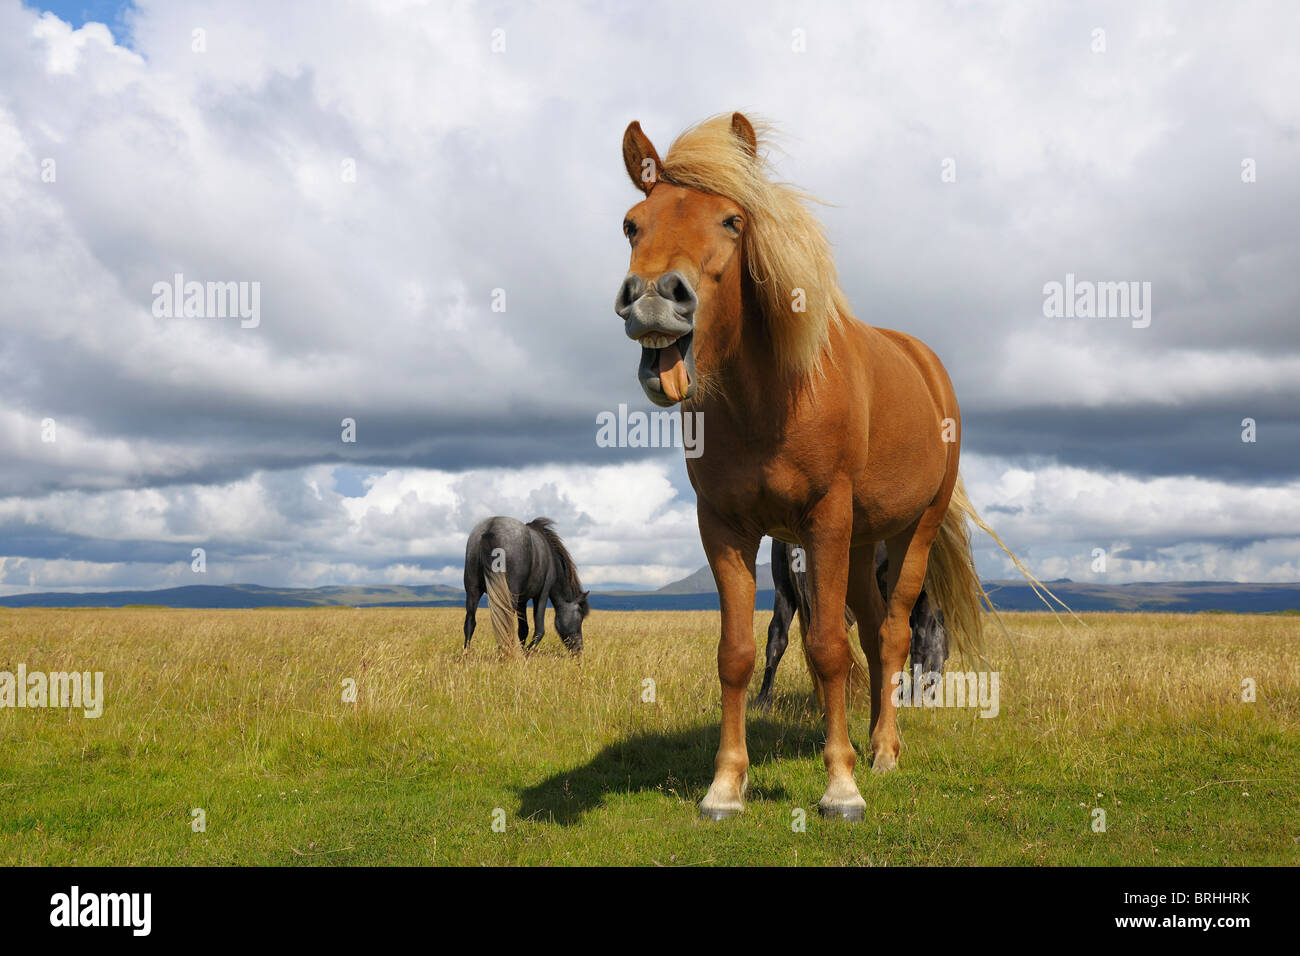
(568, 571)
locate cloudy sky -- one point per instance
(388, 171)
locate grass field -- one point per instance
(241, 714)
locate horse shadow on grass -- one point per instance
(675, 764)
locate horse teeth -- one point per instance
(656, 341)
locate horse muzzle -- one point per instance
(660, 316)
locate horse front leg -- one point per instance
(827, 533)
(539, 620)
(731, 556)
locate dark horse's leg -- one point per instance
(539, 619)
(539, 604)
(521, 612)
(929, 647)
(929, 640)
(471, 607)
(778, 632)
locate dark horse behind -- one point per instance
(929, 648)
(514, 563)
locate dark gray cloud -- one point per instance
(1148, 439)
(482, 173)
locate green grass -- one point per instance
(241, 713)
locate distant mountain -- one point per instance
(1017, 595)
(695, 592)
(701, 582)
(1174, 596)
(246, 596)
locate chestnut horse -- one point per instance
(823, 432)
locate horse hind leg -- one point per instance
(472, 598)
(521, 612)
(778, 636)
(909, 556)
(867, 604)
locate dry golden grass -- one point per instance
(242, 713)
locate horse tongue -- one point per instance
(673, 377)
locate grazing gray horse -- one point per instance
(514, 563)
(929, 648)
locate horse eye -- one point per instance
(732, 223)
(629, 228)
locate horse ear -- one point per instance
(743, 130)
(640, 159)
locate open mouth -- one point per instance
(667, 365)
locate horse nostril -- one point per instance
(628, 293)
(674, 287)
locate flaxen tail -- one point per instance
(502, 606)
(953, 584)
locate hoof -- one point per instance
(842, 802)
(718, 814)
(849, 813)
(883, 764)
(721, 807)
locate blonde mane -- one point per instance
(786, 250)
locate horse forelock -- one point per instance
(786, 251)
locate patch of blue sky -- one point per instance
(111, 13)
